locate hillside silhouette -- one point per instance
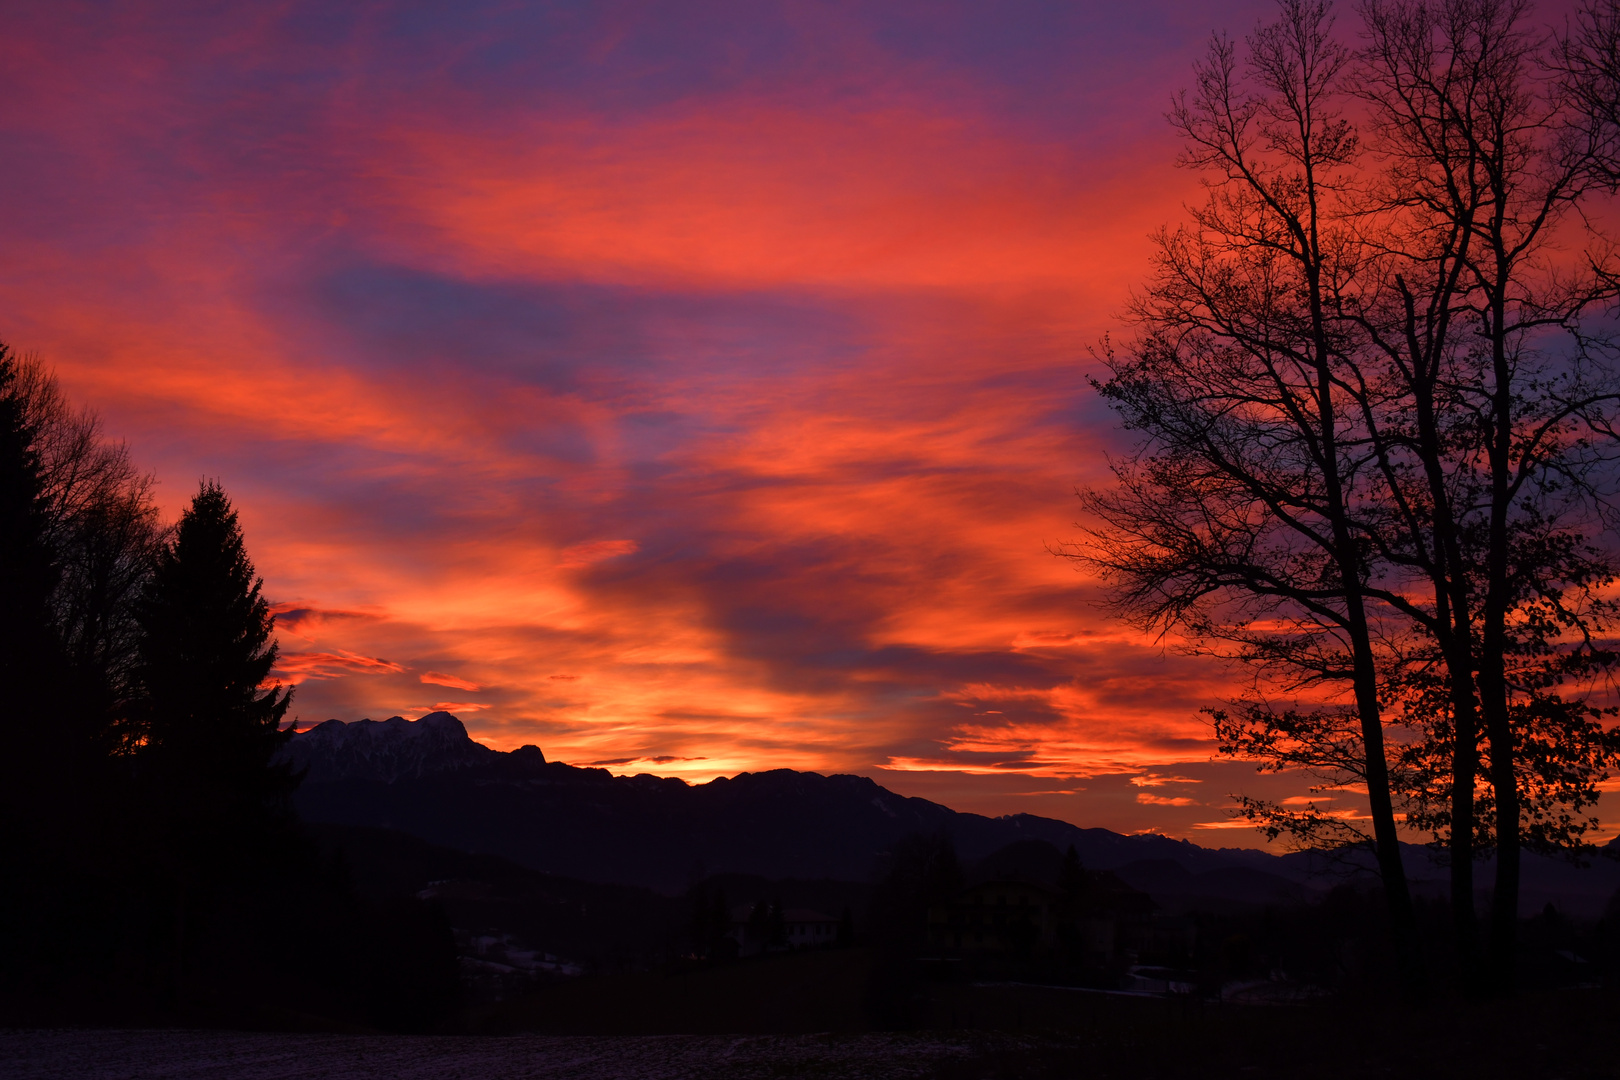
(429, 779)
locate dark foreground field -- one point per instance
(1041, 1033)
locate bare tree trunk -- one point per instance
(1352, 568)
(1504, 786)
(1386, 837)
(1454, 631)
(1460, 844)
(1493, 668)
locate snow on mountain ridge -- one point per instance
(386, 750)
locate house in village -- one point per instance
(761, 927)
(807, 929)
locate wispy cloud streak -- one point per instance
(693, 388)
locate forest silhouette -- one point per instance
(156, 870)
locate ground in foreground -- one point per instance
(1570, 1035)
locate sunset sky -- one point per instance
(686, 388)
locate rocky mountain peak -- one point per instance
(385, 751)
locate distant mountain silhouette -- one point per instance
(427, 778)
(1027, 860)
(1177, 889)
(388, 751)
(1172, 885)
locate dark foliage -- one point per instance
(30, 653)
(49, 790)
(209, 728)
(922, 871)
(155, 871)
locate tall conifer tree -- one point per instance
(31, 656)
(28, 572)
(211, 728)
(41, 797)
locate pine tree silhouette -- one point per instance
(49, 793)
(29, 649)
(210, 728)
(219, 806)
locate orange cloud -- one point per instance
(816, 343)
(1155, 780)
(891, 195)
(300, 666)
(595, 551)
(439, 679)
(1160, 800)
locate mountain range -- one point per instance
(427, 778)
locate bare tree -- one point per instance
(1239, 521)
(1500, 463)
(1588, 59)
(105, 534)
(1377, 432)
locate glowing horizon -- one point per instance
(695, 386)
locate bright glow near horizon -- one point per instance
(688, 387)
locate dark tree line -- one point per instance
(1376, 383)
(155, 867)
